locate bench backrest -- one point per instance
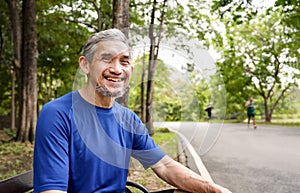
(17, 184)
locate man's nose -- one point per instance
(116, 67)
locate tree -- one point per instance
(121, 21)
(16, 62)
(291, 16)
(153, 56)
(273, 73)
(28, 114)
(165, 99)
(258, 48)
(63, 26)
(191, 13)
(25, 51)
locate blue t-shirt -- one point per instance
(81, 148)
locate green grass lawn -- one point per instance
(286, 120)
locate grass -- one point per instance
(169, 144)
(283, 121)
(15, 158)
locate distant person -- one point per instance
(208, 109)
(250, 105)
(84, 139)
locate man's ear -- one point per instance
(84, 65)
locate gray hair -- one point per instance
(91, 44)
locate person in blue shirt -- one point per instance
(84, 139)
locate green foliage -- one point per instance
(63, 26)
(138, 12)
(258, 58)
(6, 54)
(163, 99)
(178, 96)
(291, 9)
(62, 29)
(5, 89)
(196, 97)
(10, 133)
(15, 158)
(58, 57)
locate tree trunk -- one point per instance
(97, 6)
(12, 102)
(28, 116)
(143, 89)
(267, 114)
(154, 47)
(121, 22)
(17, 41)
(151, 70)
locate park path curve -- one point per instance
(265, 160)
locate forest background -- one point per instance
(188, 55)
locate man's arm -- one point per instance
(247, 104)
(183, 178)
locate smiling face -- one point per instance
(110, 70)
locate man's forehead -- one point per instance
(114, 48)
(110, 55)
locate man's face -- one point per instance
(111, 68)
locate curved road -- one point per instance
(266, 160)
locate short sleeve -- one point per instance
(51, 150)
(145, 150)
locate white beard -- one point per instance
(103, 91)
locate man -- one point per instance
(250, 105)
(84, 139)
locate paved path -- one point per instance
(266, 160)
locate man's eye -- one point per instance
(106, 60)
(125, 62)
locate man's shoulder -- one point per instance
(62, 102)
(55, 111)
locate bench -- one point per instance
(17, 184)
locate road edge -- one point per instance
(185, 145)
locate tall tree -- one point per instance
(121, 21)
(258, 48)
(142, 93)
(28, 110)
(24, 62)
(154, 48)
(16, 62)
